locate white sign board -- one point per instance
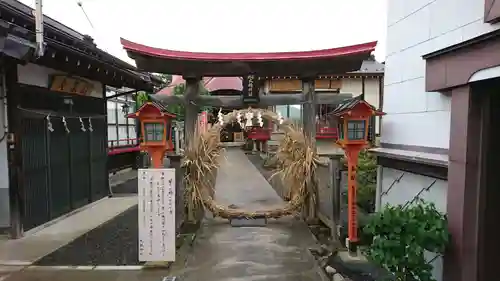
(156, 214)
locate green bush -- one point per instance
(367, 181)
(178, 109)
(401, 235)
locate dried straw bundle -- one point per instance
(297, 163)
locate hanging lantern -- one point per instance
(125, 108)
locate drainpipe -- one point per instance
(378, 196)
(40, 45)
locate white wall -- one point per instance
(36, 75)
(415, 28)
(414, 116)
(351, 86)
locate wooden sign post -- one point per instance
(156, 194)
(353, 136)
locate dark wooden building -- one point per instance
(53, 142)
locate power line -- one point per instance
(80, 4)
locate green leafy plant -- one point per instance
(178, 109)
(367, 181)
(402, 235)
(141, 98)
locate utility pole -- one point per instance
(40, 45)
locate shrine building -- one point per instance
(438, 135)
(366, 82)
(53, 118)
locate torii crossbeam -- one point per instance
(307, 65)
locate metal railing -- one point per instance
(123, 142)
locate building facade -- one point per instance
(442, 64)
(53, 141)
(121, 130)
(367, 83)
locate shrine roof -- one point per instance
(210, 83)
(351, 104)
(152, 106)
(302, 63)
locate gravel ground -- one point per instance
(113, 243)
(128, 187)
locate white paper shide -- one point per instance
(156, 214)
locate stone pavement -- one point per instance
(277, 252)
(221, 252)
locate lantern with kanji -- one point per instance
(353, 124)
(156, 137)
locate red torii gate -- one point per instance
(306, 64)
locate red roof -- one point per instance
(211, 84)
(151, 108)
(182, 55)
(306, 63)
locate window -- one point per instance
(356, 129)
(290, 112)
(153, 132)
(121, 130)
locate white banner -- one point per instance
(156, 193)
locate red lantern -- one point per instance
(353, 123)
(156, 137)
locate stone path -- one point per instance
(276, 252)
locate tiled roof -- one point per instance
(210, 83)
(371, 66)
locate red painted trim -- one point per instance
(182, 55)
(128, 143)
(150, 104)
(124, 150)
(326, 136)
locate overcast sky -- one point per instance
(225, 25)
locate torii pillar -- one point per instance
(309, 127)
(309, 109)
(191, 108)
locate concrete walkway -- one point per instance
(16, 255)
(277, 252)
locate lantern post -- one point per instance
(353, 122)
(156, 136)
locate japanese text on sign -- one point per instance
(156, 192)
